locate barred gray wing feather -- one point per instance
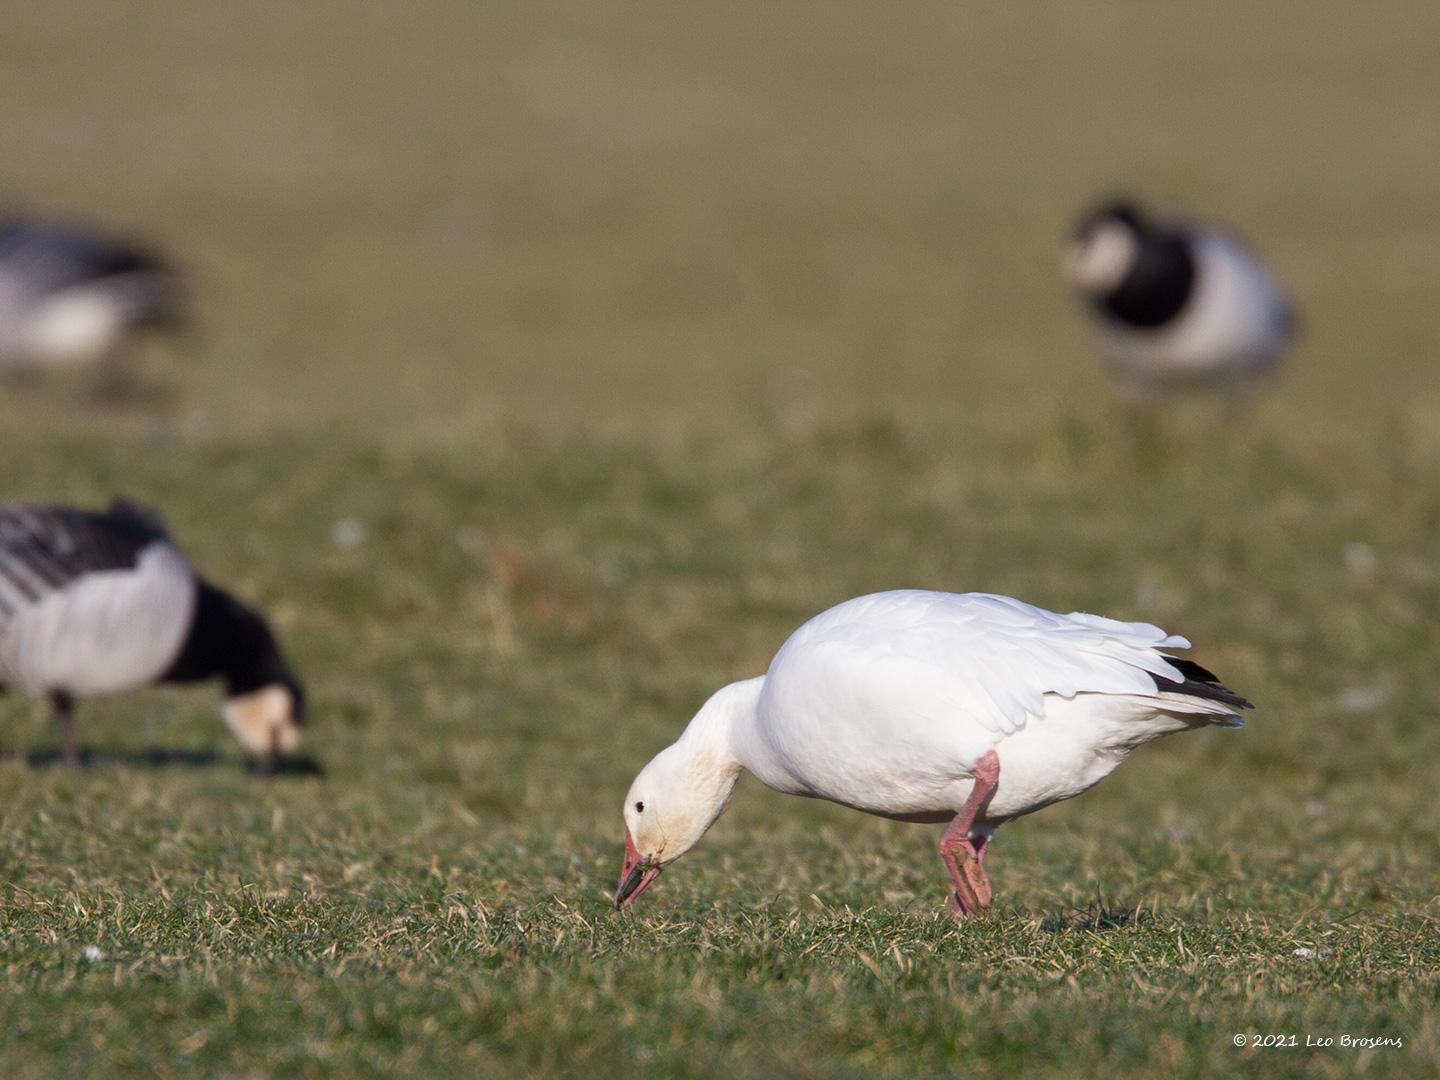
(89, 603)
(44, 257)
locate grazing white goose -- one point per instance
(1177, 304)
(69, 297)
(926, 706)
(100, 603)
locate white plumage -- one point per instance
(920, 705)
(105, 632)
(858, 690)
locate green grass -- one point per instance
(519, 631)
(631, 336)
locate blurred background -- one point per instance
(639, 218)
(551, 362)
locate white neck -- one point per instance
(721, 731)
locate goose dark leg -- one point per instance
(1240, 393)
(1143, 417)
(117, 378)
(65, 719)
(964, 855)
(268, 763)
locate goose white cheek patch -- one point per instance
(1103, 259)
(263, 720)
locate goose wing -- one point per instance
(992, 659)
(44, 549)
(89, 602)
(39, 257)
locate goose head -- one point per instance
(267, 720)
(680, 793)
(1105, 248)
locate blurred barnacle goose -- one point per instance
(1176, 303)
(71, 297)
(100, 603)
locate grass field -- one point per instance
(553, 362)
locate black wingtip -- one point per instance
(1201, 683)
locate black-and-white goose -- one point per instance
(100, 603)
(1177, 303)
(69, 296)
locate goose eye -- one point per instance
(639, 807)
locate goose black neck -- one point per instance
(1158, 285)
(230, 640)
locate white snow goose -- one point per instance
(100, 603)
(69, 296)
(926, 706)
(1176, 303)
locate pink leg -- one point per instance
(965, 857)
